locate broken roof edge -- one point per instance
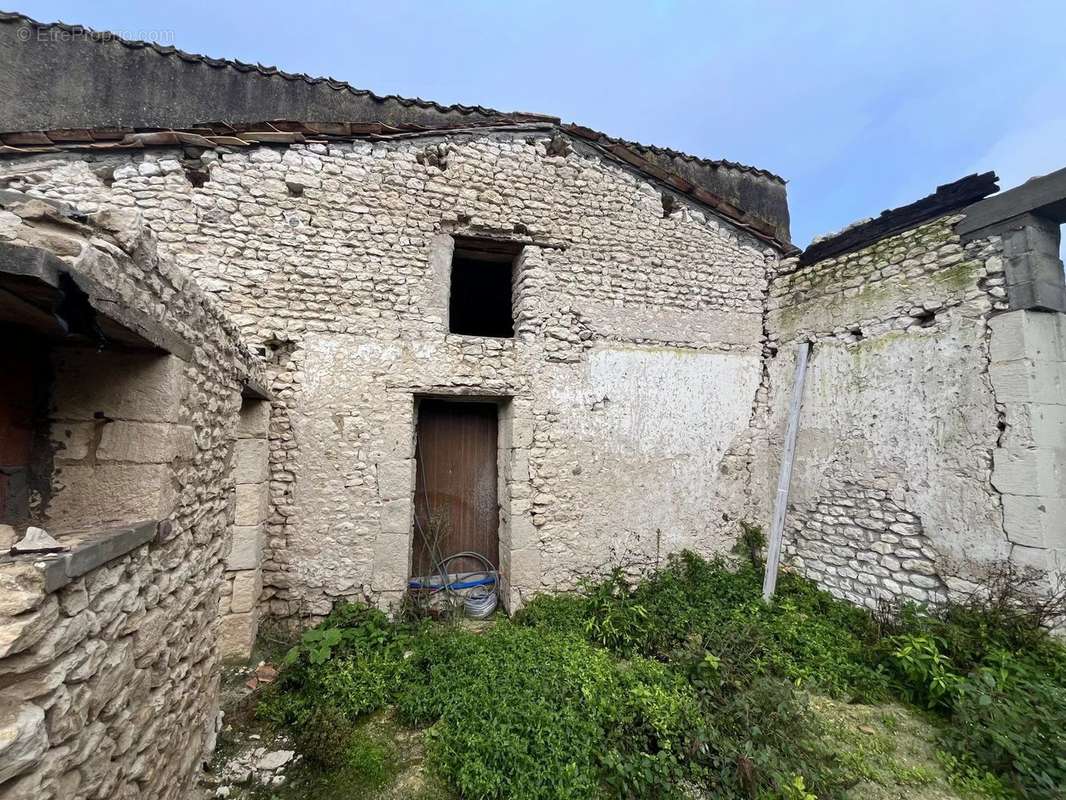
(288, 132)
(262, 69)
(90, 34)
(947, 198)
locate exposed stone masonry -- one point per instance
(626, 320)
(859, 541)
(108, 685)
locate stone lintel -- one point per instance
(252, 389)
(1028, 219)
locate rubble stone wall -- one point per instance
(109, 671)
(635, 316)
(891, 492)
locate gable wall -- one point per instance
(631, 325)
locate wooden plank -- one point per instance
(1036, 195)
(946, 198)
(777, 529)
(456, 480)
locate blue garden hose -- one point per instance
(481, 600)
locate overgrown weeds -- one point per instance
(684, 684)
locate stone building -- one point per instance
(274, 333)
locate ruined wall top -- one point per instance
(69, 79)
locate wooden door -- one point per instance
(455, 485)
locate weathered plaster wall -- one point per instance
(631, 323)
(109, 669)
(1028, 372)
(891, 493)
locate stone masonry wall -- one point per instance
(636, 315)
(109, 672)
(891, 493)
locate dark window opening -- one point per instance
(481, 302)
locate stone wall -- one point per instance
(636, 314)
(904, 416)
(108, 663)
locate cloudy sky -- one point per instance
(860, 105)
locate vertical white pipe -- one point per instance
(777, 529)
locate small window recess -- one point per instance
(481, 291)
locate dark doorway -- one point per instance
(21, 400)
(456, 507)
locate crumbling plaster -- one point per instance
(903, 415)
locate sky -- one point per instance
(860, 105)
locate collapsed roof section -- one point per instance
(947, 198)
(77, 86)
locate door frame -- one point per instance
(504, 472)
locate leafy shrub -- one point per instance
(350, 663)
(562, 613)
(524, 712)
(359, 763)
(1012, 720)
(807, 636)
(757, 738)
(616, 619)
(323, 736)
(519, 712)
(651, 733)
(989, 665)
(925, 676)
(971, 780)
(751, 544)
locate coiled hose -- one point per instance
(480, 599)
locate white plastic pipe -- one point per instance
(777, 529)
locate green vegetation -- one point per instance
(686, 685)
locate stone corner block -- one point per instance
(397, 516)
(128, 386)
(251, 461)
(1035, 335)
(86, 495)
(247, 585)
(254, 420)
(246, 550)
(144, 442)
(1035, 521)
(253, 502)
(392, 562)
(1033, 472)
(236, 635)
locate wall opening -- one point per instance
(89, 438)
(456, 504)
(239, 604)
(480, 299)
(23, 362)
